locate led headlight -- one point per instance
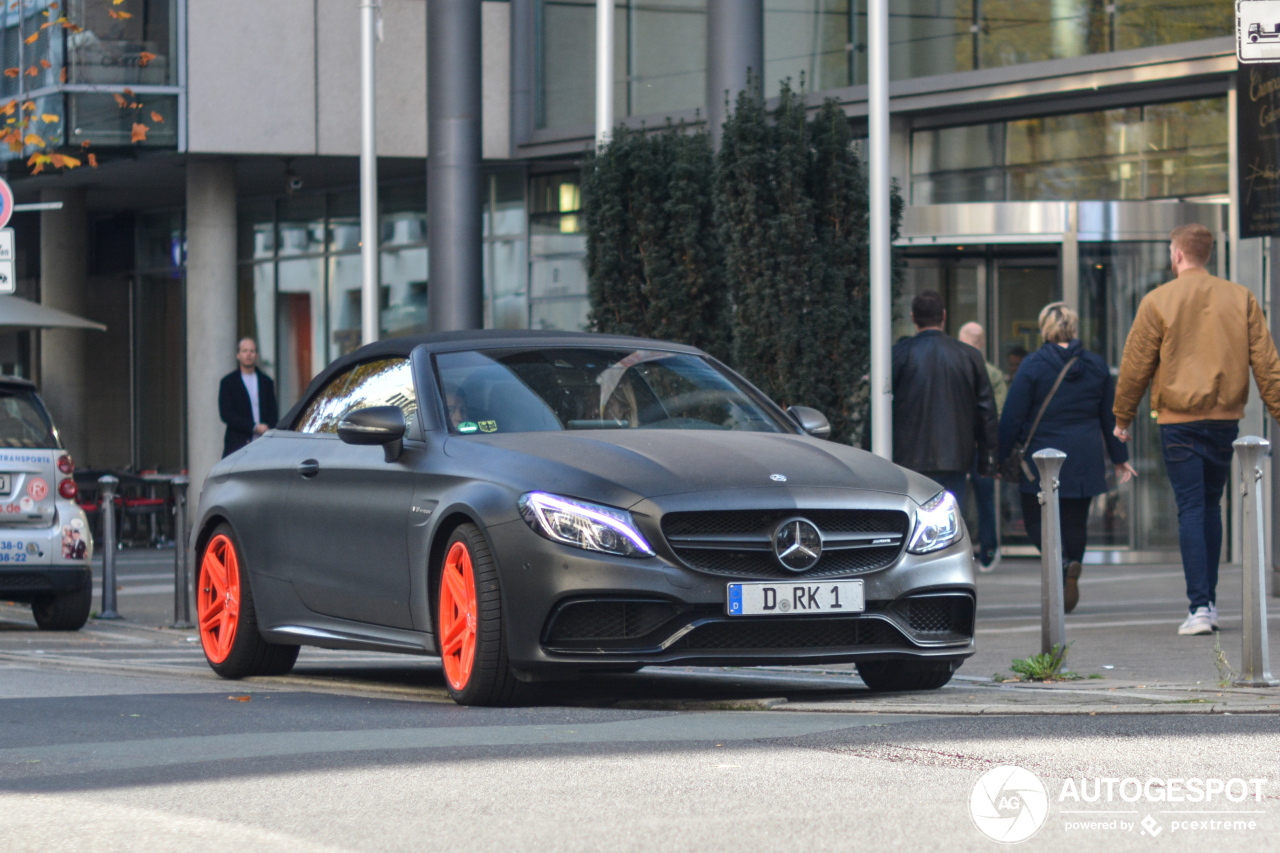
(937, 524)
(583, 525)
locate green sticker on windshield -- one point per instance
(467, 426)
(488, 426)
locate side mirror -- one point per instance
(811, 421)
(375, 425)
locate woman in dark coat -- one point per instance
(1079, 422)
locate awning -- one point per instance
(19, 315)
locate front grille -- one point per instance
(791, 633)
(608, 620)
(737, 543)
(23, 582)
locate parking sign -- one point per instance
(1258, 30)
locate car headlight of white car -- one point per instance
(937, 524)
(592, 527)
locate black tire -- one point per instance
(250, 654)
(67, 611)
(492, 682)
(891, 676)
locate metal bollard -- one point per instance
(107, 484)
(1255, 669)
(1053, 630)
(181, 571)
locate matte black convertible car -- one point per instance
(534, 505)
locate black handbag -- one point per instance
(1015, 463)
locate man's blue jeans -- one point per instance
(984, 490)
(1197, 457)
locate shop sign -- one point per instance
(1258, 148)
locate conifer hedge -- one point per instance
(757, 254)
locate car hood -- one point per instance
(651, 463)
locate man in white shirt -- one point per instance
(246, 400)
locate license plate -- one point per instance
(790, 599)
(12, 551)
(5, 484)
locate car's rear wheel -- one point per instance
(469, 627)
(887, 676)
(228, 620)
(67, 611)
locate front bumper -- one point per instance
(571, 609)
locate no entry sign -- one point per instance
(6, 202)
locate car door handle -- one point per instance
(309, 468)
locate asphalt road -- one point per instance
(118, 738)
(118, 761)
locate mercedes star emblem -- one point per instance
(797, 544)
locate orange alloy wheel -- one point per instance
(218, 599)
(458, 616)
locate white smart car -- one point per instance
(46, 547)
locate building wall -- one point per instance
(284, 78)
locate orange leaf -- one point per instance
(46, 64)
(7, 109)
(33, 139)
(33, 71)
(62, 75)
(62, 161)
(13, 72)
(53, 6)
(116, 2)
(93, 160)
(119, 16)
(31, 39)
(139, 133)
(144, 58)
(50, 118)
(128, 92)
(29, 106)
(84, 144)
(120, 101)
(156, 117)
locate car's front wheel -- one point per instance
(228, 620)
(67, 611)
(889, 676)
(469, 629)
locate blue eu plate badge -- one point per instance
(735, 600)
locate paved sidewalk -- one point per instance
(1124, 640)
(1123, 635)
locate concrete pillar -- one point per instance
(455, 297)
(211, 307)
(64, 272)
(735, 50)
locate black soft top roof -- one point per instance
(475, 339)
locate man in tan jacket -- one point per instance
(1194, 341)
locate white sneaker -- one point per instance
(1197, 623)
(1213, 615)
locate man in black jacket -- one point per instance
(246, 400)
(943, 407)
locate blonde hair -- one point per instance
(1058, 323)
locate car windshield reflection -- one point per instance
(544, 390)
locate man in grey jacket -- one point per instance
(944, 411)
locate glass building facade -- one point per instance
(660, 58)
(107, 72)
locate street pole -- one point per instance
(1255, 664)
(878, 166)
(107, 498)
(1053, 631)
(604, 70)
(369, 33)
(181, 570)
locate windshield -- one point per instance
(541, 390)
(23, 420)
